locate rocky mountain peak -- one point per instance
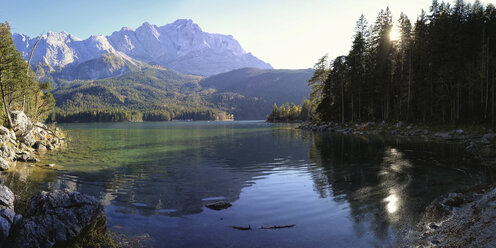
(181, 46)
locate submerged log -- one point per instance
(241, 228)
(278, 227)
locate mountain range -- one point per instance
(181, 46)
(175, 71)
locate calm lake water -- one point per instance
(341, 191)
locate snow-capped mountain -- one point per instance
(181, 46)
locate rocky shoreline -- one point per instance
(26, 140)
(479, 142)
(464, 219)
(459, 219)
(51, 219)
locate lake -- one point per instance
(155, 179)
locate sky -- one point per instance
(288, 34)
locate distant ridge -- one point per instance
(181, 46)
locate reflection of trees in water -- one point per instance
(26, 180)
(176, 183)
(387, 180)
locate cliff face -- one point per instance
(181, 46)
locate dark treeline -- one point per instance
(117, 115)
(291, 112)
(441, 69)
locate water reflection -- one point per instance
(339, 190)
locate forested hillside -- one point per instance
(155, 93)
(148, 94)
(442, 69)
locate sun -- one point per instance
(395, 33)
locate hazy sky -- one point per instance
(284, 33)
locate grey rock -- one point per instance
(426, 132)
(489, 137)
(4, 165)
(459, 131)
(6, 152)
(26, 157)
(4, 131)
(400, 124)
(454, 200)
(39, 146)
(6, 197)
(55, 219)
(50, 146)
(6, 221)
(27, 138)
(21, 123)
(17, 218)
(219, 205)
(13, 137)
(23, 146)
(443, 135)
(433, 226)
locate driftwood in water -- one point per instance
(242, 228)
(278, 227)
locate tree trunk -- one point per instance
(409, 87)
(342, 101)
(487, 79)
(5, 106)
(492, 116)
(352, 111)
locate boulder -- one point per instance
(21, 123)
(50, 146)
(13, 137)
(6, 221)
(4, 131)
(26, 157)
(400, 124)
(39, 146)
(57, 218)
(27, 138)
(454, 200)
(6, 198)
(4, 165)
(486, 138)
(443, 135)
(218, 205)
(6, 152)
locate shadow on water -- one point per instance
(388, 181)
(155, 178)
